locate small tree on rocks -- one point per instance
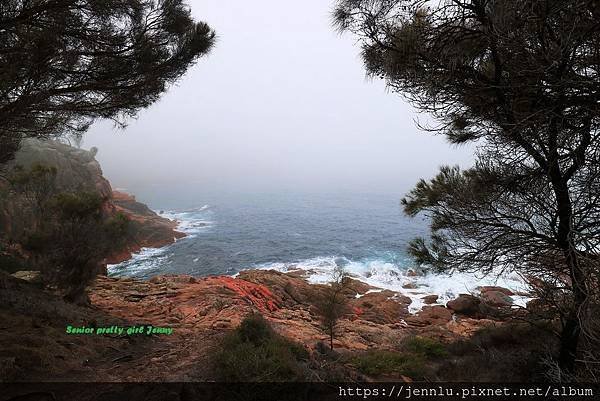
(332, 304)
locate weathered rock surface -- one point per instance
(496, 298)
(430, 299)
(78, 170)
(465, 304)
(200, 306)
(149, 229)
(200, 311)
(503, 290)
(430, 315)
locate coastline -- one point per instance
(152, 231)
(422, 288)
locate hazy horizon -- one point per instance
(281, 103)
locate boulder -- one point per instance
(430, 315)
(496, 298)
(488, 288)
(384, 307)
(465, 304)
(430, 299)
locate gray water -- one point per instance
(232, 232)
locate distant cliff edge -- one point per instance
(78, 170)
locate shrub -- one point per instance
(256, 330)
(255, 353)
(72, 241)
(379, 362)
(425, 346)
(506, 353)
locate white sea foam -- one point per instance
(191, 222)
(146, 259)
(391, 276)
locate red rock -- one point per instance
(384, 307)
(503, 290)
(259, 295)
(150, 230)
(430, 315)
(465, 304)
(496, 298)
(430, 299)
(206, 306)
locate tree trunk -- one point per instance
(571, 330)
(569, 340)
(331, 339)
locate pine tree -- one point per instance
(521, 79)
(66, 63)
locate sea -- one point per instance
(366, 234)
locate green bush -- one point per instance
(70, 243)
(379, 362)
(255, 353)
(255, 330)
(425, 346)
(506, 353)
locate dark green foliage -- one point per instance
(255, 353)
(425, 346)
(75, 206)
(64, 64)
(72, 241)
(68, 234)
(33, 178)
(35, 185)
(521, 78)
(377, 363)
(255, 330)
(508, 353)
(332, 303)
(413, 358)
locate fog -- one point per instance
(281, 103)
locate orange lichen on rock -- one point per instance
(258, 295)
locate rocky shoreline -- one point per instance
(201, 310)
(377, 318)
(150, 230)
(198, 312)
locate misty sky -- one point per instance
(281, 103)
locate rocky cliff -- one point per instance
(78, 170)
(149, 229)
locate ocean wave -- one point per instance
(141, 262)
(189, 221)
(395, 276)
